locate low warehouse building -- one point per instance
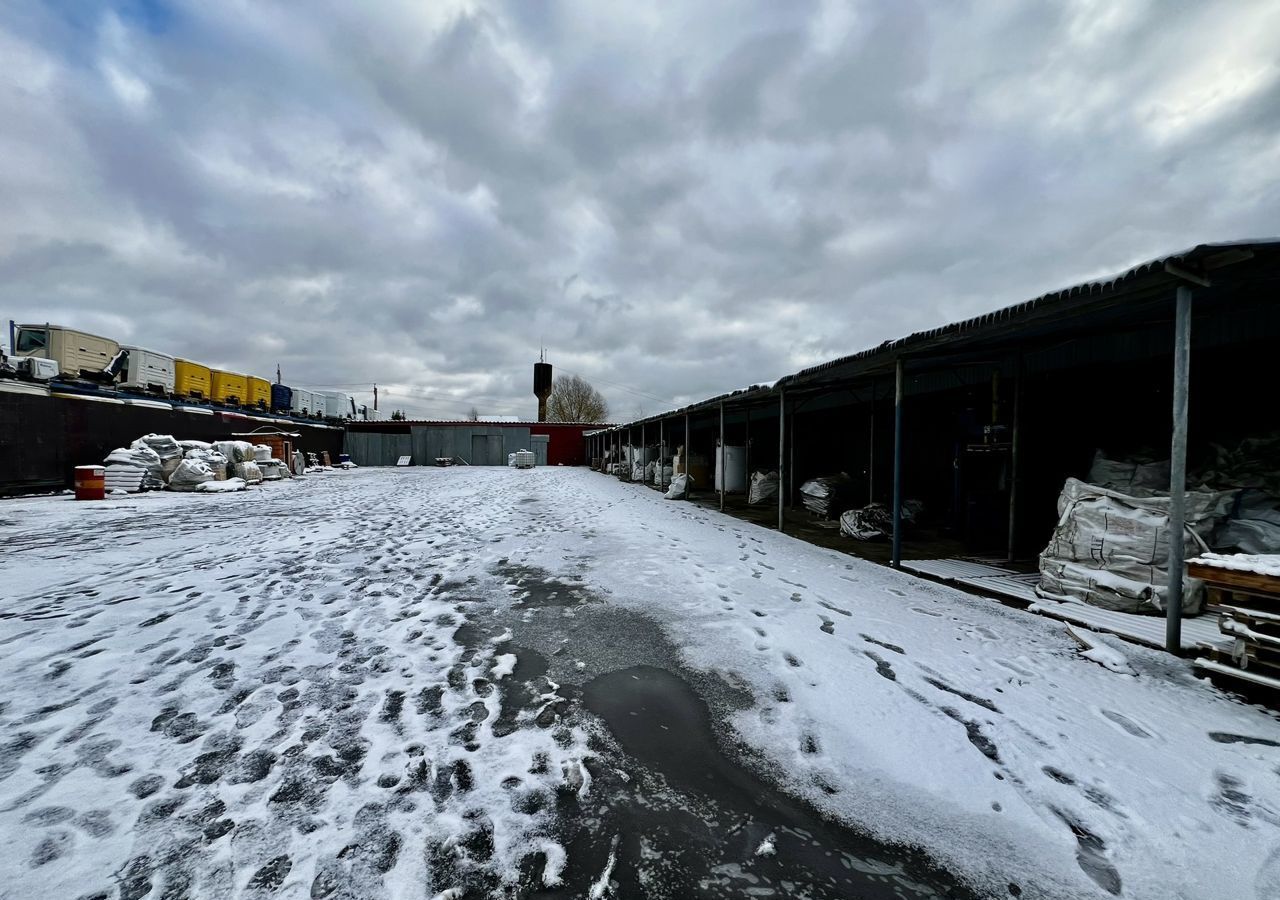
(963, 447)
(469, 443)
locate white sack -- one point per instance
(679, 489)
(248, 472)
(189, 474)
(763, 487)
(1111, 550)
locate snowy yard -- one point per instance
(471, 682)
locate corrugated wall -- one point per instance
(432, 441)
(42, 439)
(368, 448)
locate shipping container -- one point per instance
(229, 388)
(281, 398)
(192, 380)
(259, 395)
(75, 352)
(303, 402)
(146, 370)
(333, 404)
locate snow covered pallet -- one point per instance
(1246, 598)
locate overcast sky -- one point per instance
(677, 198)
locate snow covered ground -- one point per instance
(407, 682)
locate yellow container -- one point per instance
(191, 379)
(259, 393)
(229, 388)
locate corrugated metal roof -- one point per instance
(1203, 254)
(1200, 258)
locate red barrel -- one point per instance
(91, 483)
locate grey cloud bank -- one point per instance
(681, 200)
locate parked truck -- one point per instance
(79, 355)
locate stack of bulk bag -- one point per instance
(140, 466)
(1111, 550)
(164, 445)
(248, 472)
(190, 474)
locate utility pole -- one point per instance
(375, 395)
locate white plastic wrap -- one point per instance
(190, 474)
(142, 458)
(1111, 549)
(763, 487)
(679, 489)
(248, 472)
(164, 446)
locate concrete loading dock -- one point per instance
(982, 421)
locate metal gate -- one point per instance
(538, 444)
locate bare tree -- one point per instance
(574, 400)
(473, 414)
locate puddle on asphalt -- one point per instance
(691, 821)
(678, 817)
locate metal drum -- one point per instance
(91, 483)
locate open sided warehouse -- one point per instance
(977, 426)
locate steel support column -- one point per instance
(1178, 469)
(896, 561)
(684, 460)
(746, 447)
(782, 444)
(1014, 441)
(791, 468)
(871, 450)
(644, 456)
(662, 451)
(720, 472)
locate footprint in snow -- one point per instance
(1126, 723)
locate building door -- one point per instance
(495, 454)
(479, 450)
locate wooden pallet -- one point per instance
(1229, 671)
(1257, 659)
(1248, 609)
(1223, 582)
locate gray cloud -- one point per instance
(680, 200)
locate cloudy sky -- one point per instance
(677, 199)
